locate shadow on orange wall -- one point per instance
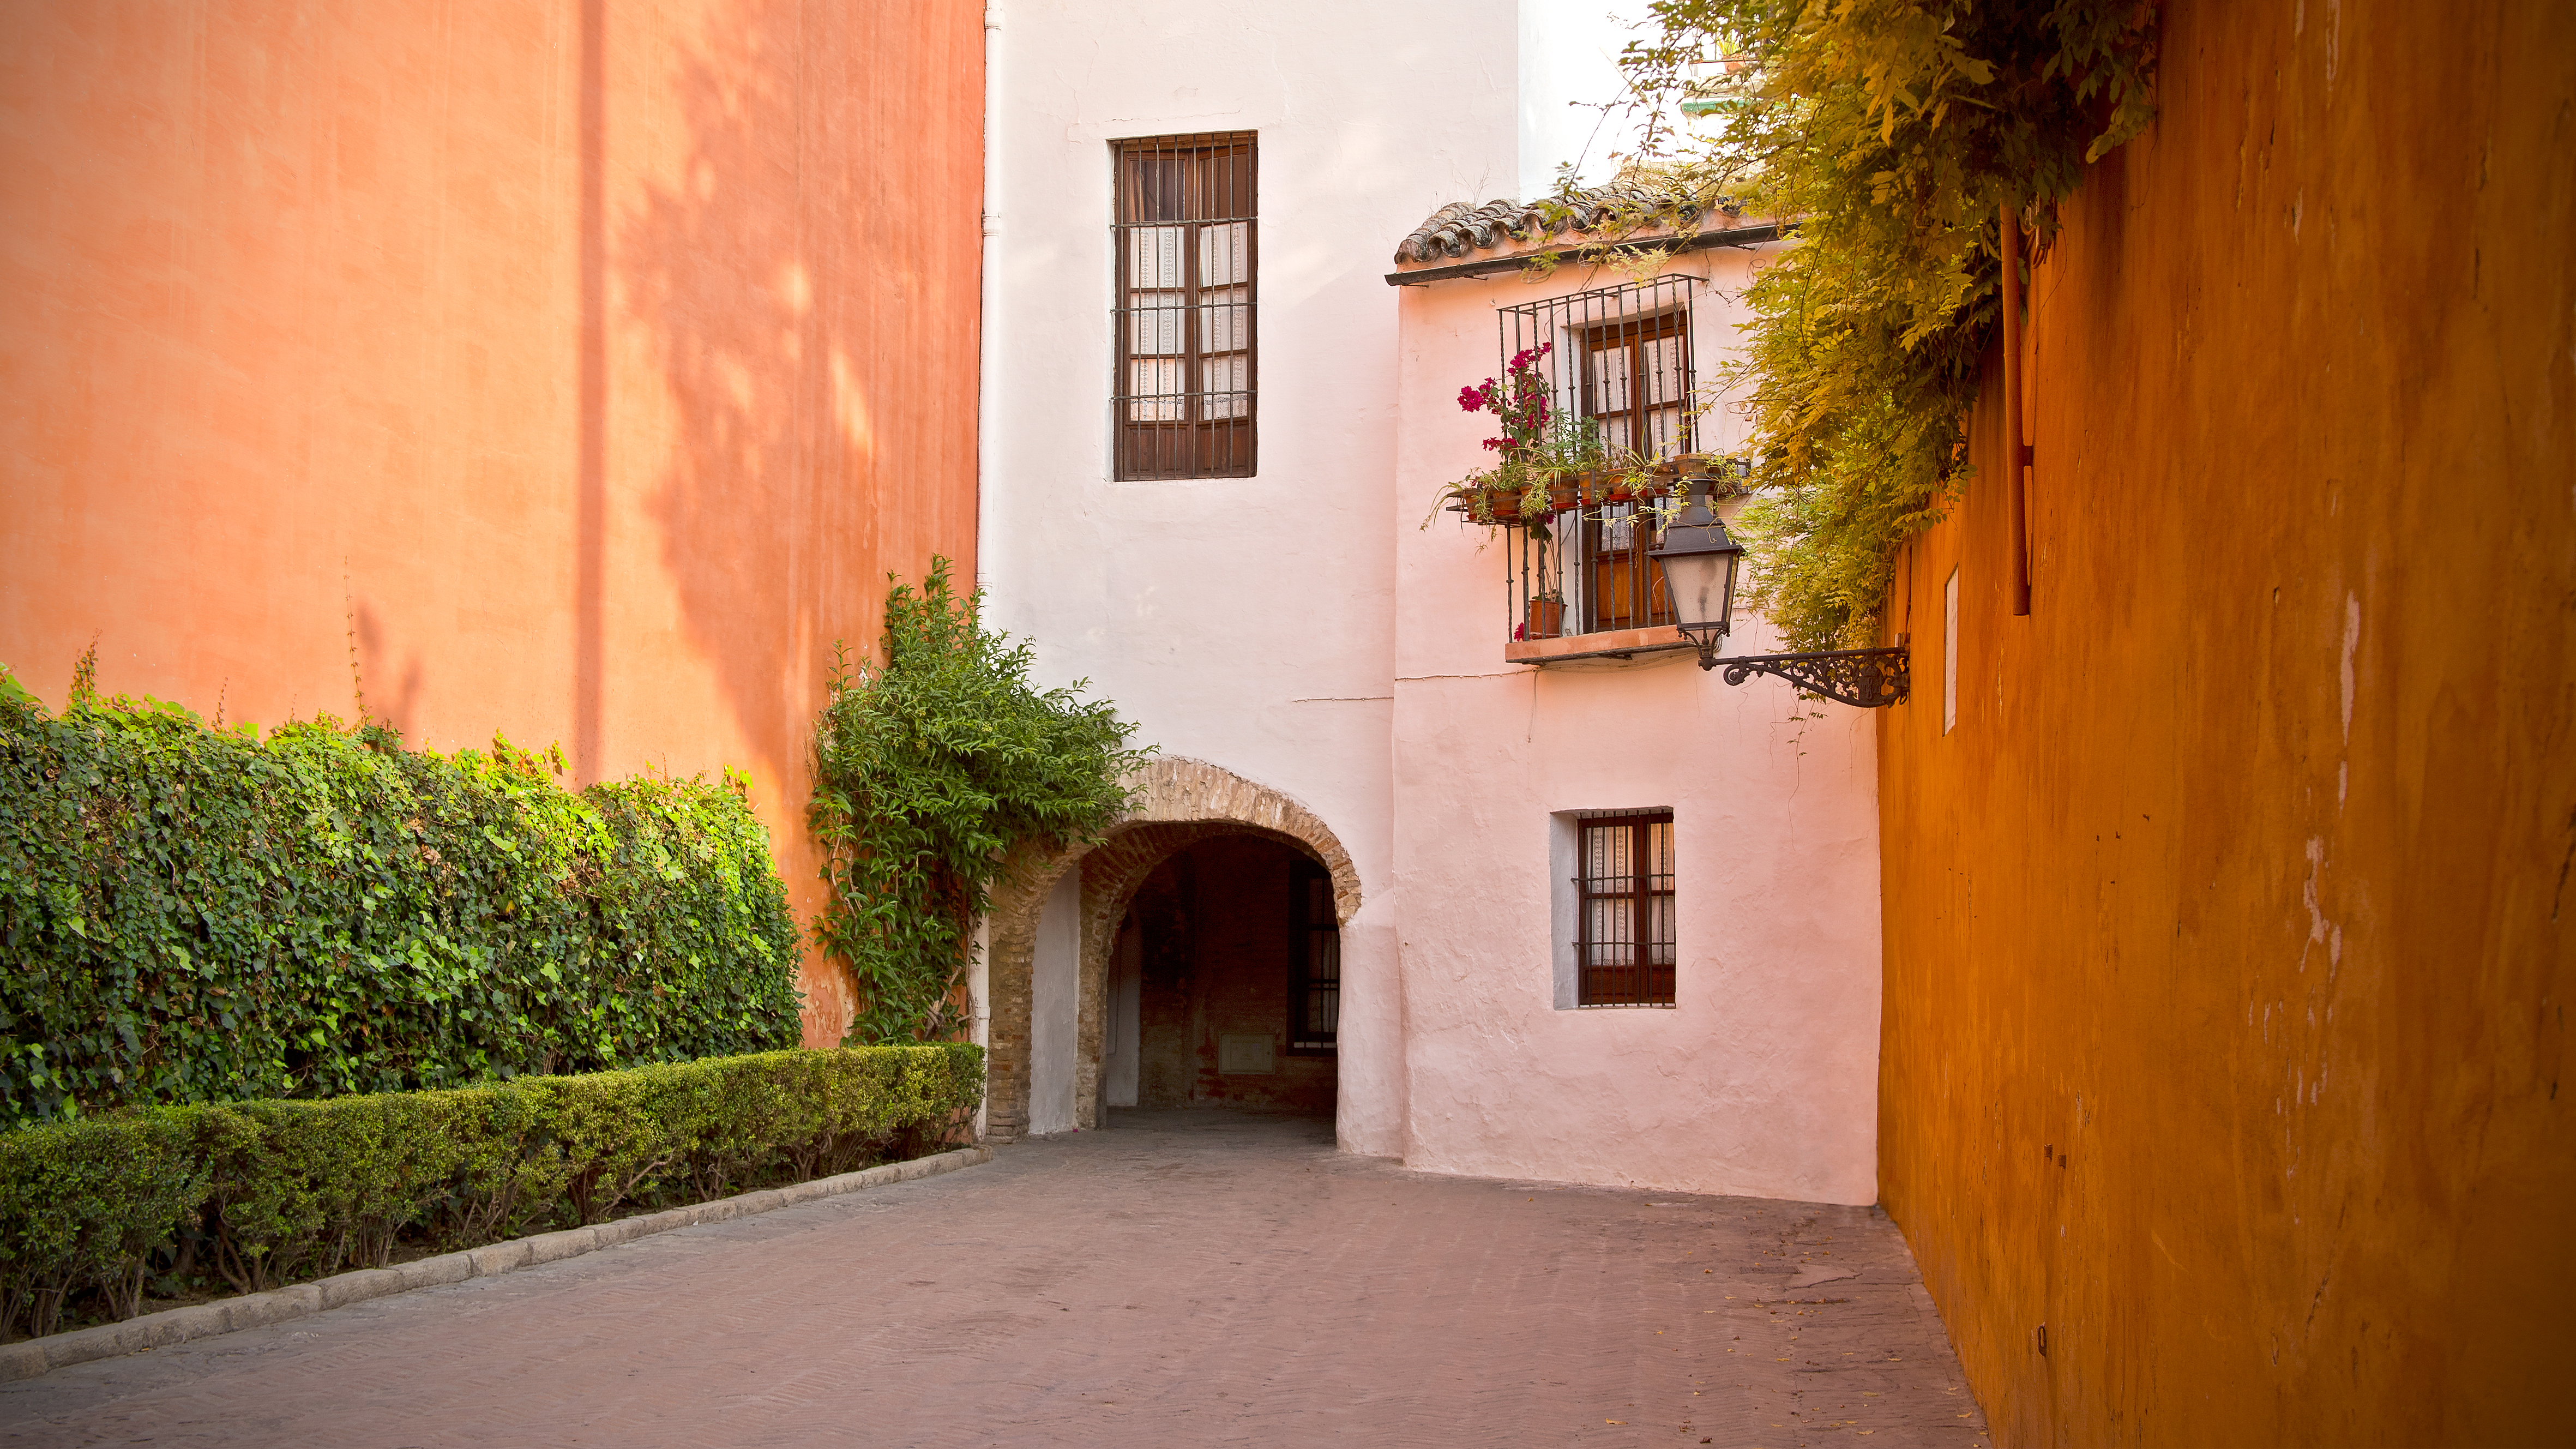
(572, 372)
(816, 345)
(388, 690)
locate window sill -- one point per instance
(1608, 644)
(1625, 1006)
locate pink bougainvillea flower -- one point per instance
(1469, 400)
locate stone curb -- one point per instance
(254, 1310)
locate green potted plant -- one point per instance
(1507, 494)
(1546, 463)
(1514, 490)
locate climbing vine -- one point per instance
(928, 766)
(1893, 134)
(197, 914)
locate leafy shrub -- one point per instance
(927, 768)
(192, 914)
(83, 1204)
(252, 1195)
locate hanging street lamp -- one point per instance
(1699, 561)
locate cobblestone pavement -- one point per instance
(1179, 1279)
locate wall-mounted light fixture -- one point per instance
(1699, 559)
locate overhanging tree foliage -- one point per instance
(1894, 133)
(928, 767)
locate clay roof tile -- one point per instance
(1460, 227)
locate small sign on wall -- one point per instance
(1246, 1056)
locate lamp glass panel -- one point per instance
(1700, 584)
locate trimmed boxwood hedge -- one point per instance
(195, 914)
(251, 1195)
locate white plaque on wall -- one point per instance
(1245, 1056)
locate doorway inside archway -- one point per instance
(1224, 990)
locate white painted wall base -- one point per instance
(1055, 981)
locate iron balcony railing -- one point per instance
(1619, 426)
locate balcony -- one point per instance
(1579, 581)
(1599, 414)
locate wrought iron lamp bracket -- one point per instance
(1862, 678)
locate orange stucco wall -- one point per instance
(2228, 936)
(588, 364)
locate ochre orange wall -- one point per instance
(2228, 937)
(589, 364)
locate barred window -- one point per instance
(1624, 908)
(1635, 383)
(1636, 380)
(1186, 241)
(1616, 365)
(1315, 975)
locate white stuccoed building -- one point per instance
(1413, 779)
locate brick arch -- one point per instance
(1178, 803)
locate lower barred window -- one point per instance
(1624, 909)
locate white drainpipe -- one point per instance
(979, 974)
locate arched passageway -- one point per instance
(1225, 983)
(1239, 883)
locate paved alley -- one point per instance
(1184, 1278)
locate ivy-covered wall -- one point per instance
(572, 379)
(193, 914)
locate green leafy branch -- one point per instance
(928, 767)
(193, 914)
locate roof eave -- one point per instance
(1739, 236)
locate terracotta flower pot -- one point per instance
(1546, 618)
(1640, 491)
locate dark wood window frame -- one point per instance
(1186, 241)
(1614, 540)
(1624, 949)
(1315, 967)
(1616, 543)
(1631, 335)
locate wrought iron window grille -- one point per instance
(1618, 372)
(1315, 971)
(1625, 949)
(1186, 244)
